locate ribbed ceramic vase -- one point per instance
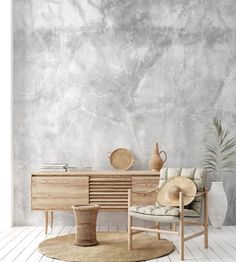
(217, 204)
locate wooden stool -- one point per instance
(85, 222)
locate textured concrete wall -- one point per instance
(90, 76)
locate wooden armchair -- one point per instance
(175, 215)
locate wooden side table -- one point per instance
(85, 222)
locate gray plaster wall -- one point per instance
(90, 76)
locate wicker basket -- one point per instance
(121, 158)
(85, 222)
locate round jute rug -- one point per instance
(112, 247)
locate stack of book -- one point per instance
(53, 167)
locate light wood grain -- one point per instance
(144, 184)
(129, 221)
(51, 193)
(181, 226)
(99, 173)
(103, 191)
(46, 221)
(206, 219)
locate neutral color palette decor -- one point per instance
(85, 222)
(121, 158)
(168, 193)
(112, 247)
(89, 76)
(218, 204)
(219, 161)
(157, 161)
(52, 191)
(181, 215)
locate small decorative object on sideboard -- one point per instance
(121, 158)
(156, 161)
(53, 167)
(218, 161)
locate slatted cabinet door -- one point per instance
(109, 192)
(59, 193)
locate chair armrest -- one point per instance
(196, 195)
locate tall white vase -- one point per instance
(217, 204)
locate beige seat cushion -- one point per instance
(154, 210)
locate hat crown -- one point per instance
(168, 193)
(173, 192)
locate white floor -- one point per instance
(20, 244)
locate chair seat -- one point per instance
(154, 210)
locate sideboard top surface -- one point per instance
(99, 173)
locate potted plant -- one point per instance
(219, 150)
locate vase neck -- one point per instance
(156, 149)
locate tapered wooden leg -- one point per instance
(51, 220)
(130, 246)
(46, 222)
(181, 226)
(129, 232)
(158, 234)
(206, 220)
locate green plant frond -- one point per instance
(208, 163)
(229, 140)
(224, 136)
(217, 124)
(211, 158)
(219, 149)
(227, 165)
(211, 152)
(228, 156)
(210, 169)
(230, 144)
(212, 147)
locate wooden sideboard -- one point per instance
(58, 191)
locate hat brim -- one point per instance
(186, 185)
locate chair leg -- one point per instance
(181, 227)
(206, 220)
(181, 240)
(51, 220)
(46, 222)
(129, 232)
(158, 234)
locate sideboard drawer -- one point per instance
(144, 184)
(59, 193)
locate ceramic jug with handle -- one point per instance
(157, 161)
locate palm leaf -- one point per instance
(219, 150)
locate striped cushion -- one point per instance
(154, 210)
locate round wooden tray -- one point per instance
(121, 158)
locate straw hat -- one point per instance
(168, 194)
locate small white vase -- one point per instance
(217, 204)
